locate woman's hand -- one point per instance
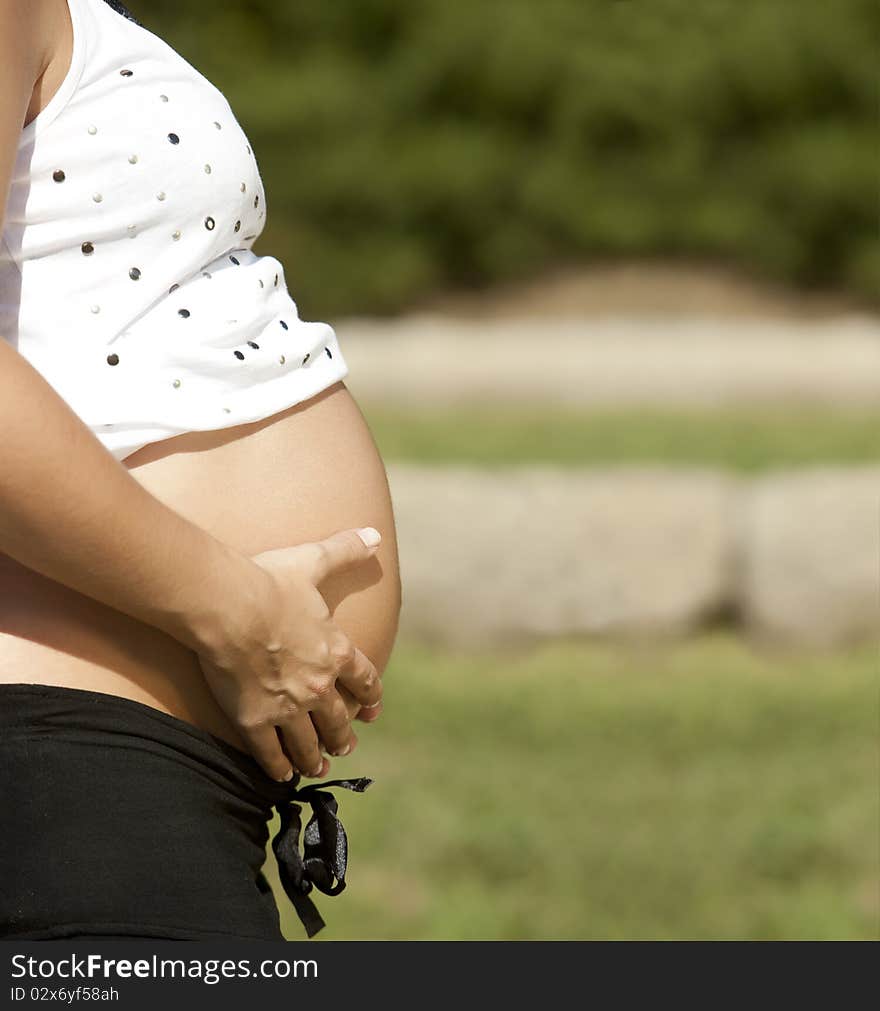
(276, 663)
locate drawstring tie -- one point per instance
(325, 848)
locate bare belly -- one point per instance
(298, 476)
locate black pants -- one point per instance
(117, 819)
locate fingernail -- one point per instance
(375, 705)
(287, 777)
(370, 536)
(342, 751)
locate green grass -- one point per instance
(751, 439)
(571, 790)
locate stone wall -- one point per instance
(487, 556)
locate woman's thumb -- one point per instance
(344, 549)
(370, 536)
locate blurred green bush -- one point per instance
(413, 146)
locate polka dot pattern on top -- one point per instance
(127, 274)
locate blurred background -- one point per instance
(606, 279)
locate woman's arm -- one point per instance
(72, 512)
(63, 498)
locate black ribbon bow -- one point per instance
(325, 848)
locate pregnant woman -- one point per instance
(199, 585)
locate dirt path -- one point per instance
(637, 334)
(644, 289)
(638, 360)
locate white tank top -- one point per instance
(127, 277)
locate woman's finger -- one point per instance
(358, 712)
(353, 707)
(333, 724)
(265, 746)
(366, 715)
(361, 678)
(301, 744)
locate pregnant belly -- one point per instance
(298, 476)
